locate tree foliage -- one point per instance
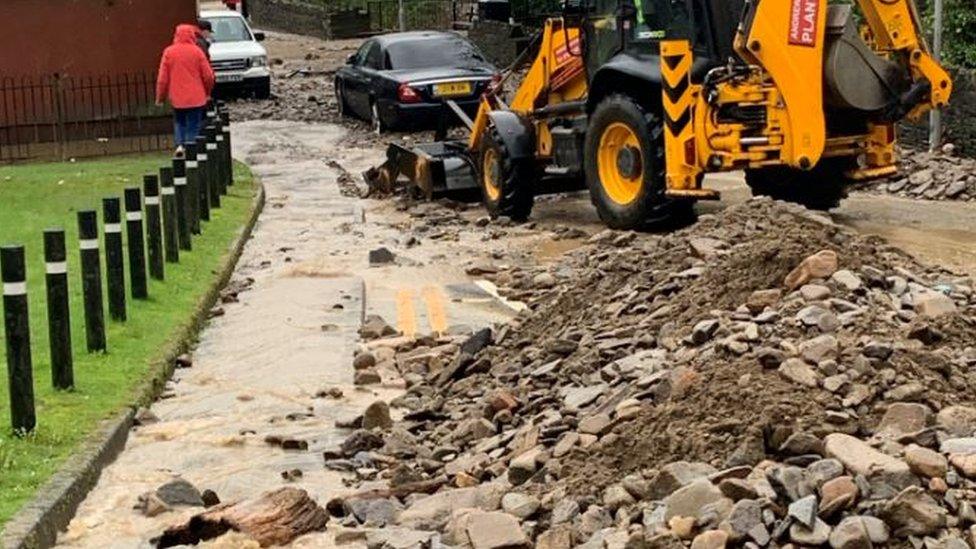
(958, 31)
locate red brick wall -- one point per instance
(87, 37)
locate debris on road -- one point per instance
(932, 176)
(776, 389)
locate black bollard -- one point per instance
(91, 280)
(183, 212)
(221, 155)
(171, 229)
(20, 374)
(213, 161)
(137, 247)
(193, 187)
(203, 178)
(228, 159)
(114, 258)
(58, 311)
(154, 229)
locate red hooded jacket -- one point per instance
(185, 76)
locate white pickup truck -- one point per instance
(239, 62)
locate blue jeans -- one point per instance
(186, 124)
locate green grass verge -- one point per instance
(38, 196)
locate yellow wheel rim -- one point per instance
(489, 177)
(620, 187)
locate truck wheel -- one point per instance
(821, 188)
(624, 165)
(506, 183)
(263, 91)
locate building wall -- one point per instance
(87, 37)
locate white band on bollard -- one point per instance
(89, 244)
(192, 163)
(15, 288)
(56, 267)
(168, 190)
(112, 228)
(219, 137)
(211, 146)
(152, 200)
(133, 216)
(179, 181)
(201, 157)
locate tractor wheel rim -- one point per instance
(619, 139)
(489, 178)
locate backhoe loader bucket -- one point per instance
(436, 168)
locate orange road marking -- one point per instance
(436, 312)
(406, 315)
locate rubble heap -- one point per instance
(764, 377)
(932, 176)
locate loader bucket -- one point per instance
(433, 169)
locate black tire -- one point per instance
(341, 100)
(507, 184)
(633, 196)
(263, 90)
(821, 188)
(376, 123)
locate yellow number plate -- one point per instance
(452, 88)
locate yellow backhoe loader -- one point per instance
(641, 98)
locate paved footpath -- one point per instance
(258, 367)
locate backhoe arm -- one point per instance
(895, 27)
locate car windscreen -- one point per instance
(229, 29)
(433, 52)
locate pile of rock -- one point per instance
(764, 377)
(932, 176)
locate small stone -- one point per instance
(966, 463)
(364, 360)
(966, 445)
(850, 534)
(564, 511)
(817, 316)
(957, 421)
(703, 331)
(932, 304)
(737, 489)
(558, 537)
(902, 418)
(595, 425)
(494, 530)
(914, 512)
(799, 372)
(746, 514)
(377, 416)
(804, 510)
(760, 299)
(814, 292)
(682, 527)
(521, 468)
(690, 500)
(817, 535)
(521, 506)
(595, 518)
(209, 498)
(366, 377)
(819, 265)
(179, 492)
(543, 281)
(818, 349)
(152, 505)
(860, 458)
(712, 539)
(616, 496)
(847, 280)
(381, 256)
(837, 494)
(926, 462)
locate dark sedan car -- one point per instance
(401, 80)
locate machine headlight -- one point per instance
(259, 61)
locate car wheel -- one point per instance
(263, 91)
(340, 100)
(375, 120)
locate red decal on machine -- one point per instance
(563, 53)
(803, 22)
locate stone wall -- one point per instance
(500, 42)
(308, 18)
(959, 118)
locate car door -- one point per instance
(355, 82)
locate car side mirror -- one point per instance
(259, 36)
(351, 59)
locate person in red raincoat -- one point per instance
(186, 80)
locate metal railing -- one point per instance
(57, 116)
